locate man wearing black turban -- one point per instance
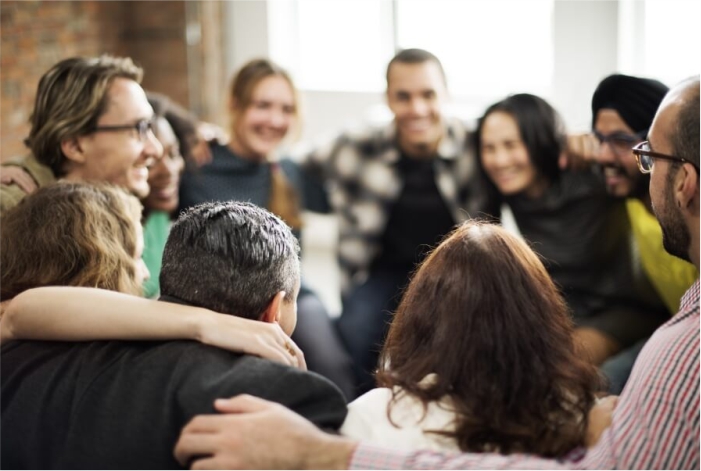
(623, 108)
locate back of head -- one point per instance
(685, 135)
(635, 99)
(70, 234)
(484, 316)
(70, 98)
(414, 56)
(231, 257)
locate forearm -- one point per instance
(79, 314)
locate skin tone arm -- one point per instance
(96, 314)
(257, 434)
(596, 345)
(582, 150)
(241, 437)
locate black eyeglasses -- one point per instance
(142, 127)
(646, 157)
(620, 142)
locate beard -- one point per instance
(676, 238)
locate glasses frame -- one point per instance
(142, 128)
(639, 153)
(614, 140)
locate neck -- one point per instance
(240, 151)
(419, 151)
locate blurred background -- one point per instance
(337, 51)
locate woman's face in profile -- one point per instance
(505, 157)
(164, 174)
(267, 119)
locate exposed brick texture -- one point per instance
(36, 34)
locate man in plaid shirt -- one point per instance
(654, 426)
(396, 190)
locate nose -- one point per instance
(606, 154)
(152, 146)
(278, 118)
(418, 106)
(500, 157)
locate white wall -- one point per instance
(590, 42)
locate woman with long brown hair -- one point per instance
(479, 356)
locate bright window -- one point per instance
(488, 48)
(672, 39)
(344, 45)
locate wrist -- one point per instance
(329, 452)
(199, 324)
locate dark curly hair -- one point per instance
(483, 314)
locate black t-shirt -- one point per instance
(122, 405)
(418, 220)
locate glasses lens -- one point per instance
(646, 162)
(144, 126)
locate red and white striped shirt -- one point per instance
(655, 424)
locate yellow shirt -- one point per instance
(671, 276)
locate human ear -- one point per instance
(273, 312)
(686, 185)
(72, 149)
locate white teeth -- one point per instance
(612, 172)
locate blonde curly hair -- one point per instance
(71, 234)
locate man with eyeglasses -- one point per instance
(91, 121)
(623, 108)
(655, 424)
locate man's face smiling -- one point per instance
(415, 94)
(120, 157)
(620, 169)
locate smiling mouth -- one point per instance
(611, 171)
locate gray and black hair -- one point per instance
(230, 257)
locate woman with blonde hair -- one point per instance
(66, 239)
(73, 234)
(480, 356)
(264, 108)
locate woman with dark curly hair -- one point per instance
(479, 356)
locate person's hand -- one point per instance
(17, 175)
(262, 339)
(258, 434)
(206, 133)
(582, 150)
(600, 417)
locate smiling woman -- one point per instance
(265, 111)
(581, 233)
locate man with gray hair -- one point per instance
(91, 121)
(121, 405)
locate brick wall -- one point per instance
(34, 35)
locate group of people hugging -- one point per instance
(499, 281)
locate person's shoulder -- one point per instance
(10, 196)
